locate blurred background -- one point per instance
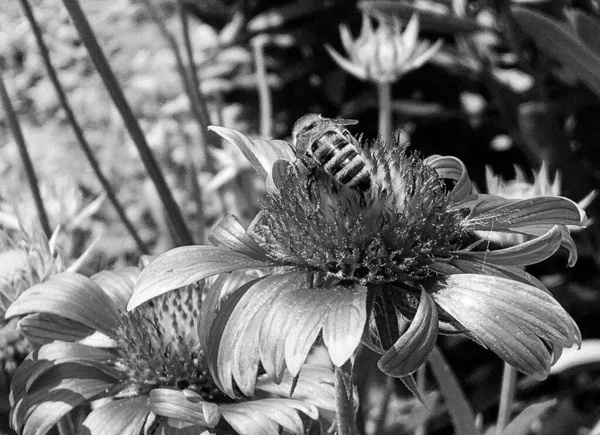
(512, 89)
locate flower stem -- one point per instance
(384, 91)
(133, 127)
(509, 381)
(264, 93)
(344, 401)
(15, 128)
(77, 130)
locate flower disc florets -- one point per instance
(159, 346)
(389, 233)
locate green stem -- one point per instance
(421, 428)
(114, 89)
(344, 401)
(507, 394)
(264, 92)
(384, 92)
(77, 128)
(15, 128)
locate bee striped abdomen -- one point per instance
(339, 158)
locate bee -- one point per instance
(326, 143)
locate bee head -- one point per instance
(304, 128)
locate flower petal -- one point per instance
(491, 213)
(515, 320)
(55, 394)
(236, 331)
(345, 322)
(412, 349)
(57, 353)
(42, 328)
(451, 168)
(313, 385)
(347, 65)
(120, 417)
(117, 284)
(290, 329)
(261, 153)
(262, 417)
(186, 265)
(73, 297)
(175, 404)
(524, 254)
(230, 233)
(485, 268)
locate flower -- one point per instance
(351, 266)
(25, 260)
(150, 366)
(519, 188)
(386, 54)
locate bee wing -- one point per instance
(339, 121)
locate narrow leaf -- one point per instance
(561, 44)
(521, 425)
(461, 413)
(588, 30)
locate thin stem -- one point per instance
(507, 394)
(77, 128)
(193, 72)
(384, 91)
(264, 92)
(112, 85)
(344, 401)
(15, 128)
(421, 428)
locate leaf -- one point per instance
(558, 42)
(588, 30)
(230, 233)
(175, 404)
(524, 254)
(522, 423)
(261, 153)
(461, 413)
(186, 265)
(439, 20)
(412, 349)
(120, 417)
(73, 297)
(515, 320)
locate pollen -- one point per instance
(159, 345)
(392, 232)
